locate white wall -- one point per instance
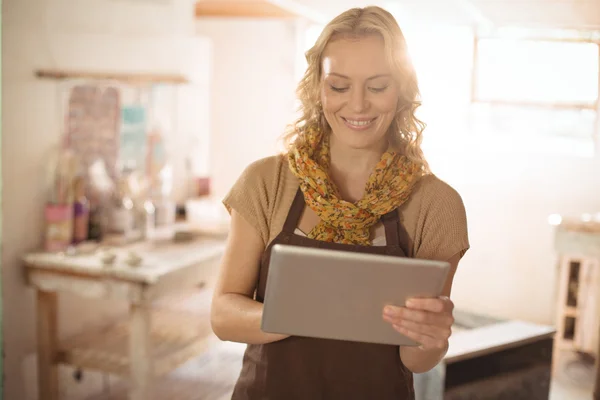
(511, 269)
(253, 91)
(95, 34)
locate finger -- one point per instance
(424, 340)
(435, 332)
(392, 319)
(393, 314)
(435, 304)
(423, 317)
(392, 310)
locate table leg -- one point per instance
(139, 352)
(47, 345)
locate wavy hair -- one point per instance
(406, 129)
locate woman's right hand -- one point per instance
(235, 316)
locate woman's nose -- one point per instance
(358, 101)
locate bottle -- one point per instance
(81, 212)
(147, 219)
(122, 218)
(95, 227)
(165, 207)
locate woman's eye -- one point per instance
(338, 89)
(345, 89)
(378, 89)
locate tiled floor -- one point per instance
(211, 377)
(561, 391)
(575, 379)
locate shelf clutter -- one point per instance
(114, 230)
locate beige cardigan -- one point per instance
(434, 215)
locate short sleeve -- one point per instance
(252, 195)
(443, 222)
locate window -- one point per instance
(544, 91)
(536, 72)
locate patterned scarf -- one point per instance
(388, 187)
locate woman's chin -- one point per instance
(360, 140)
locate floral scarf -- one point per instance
(388, 187)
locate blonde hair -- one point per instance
(406, 129)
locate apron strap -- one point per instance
(395, 234)
(390, 223)
(293, 217)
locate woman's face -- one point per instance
(358, 92)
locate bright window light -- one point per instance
(542, 72)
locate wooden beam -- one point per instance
(130, 78)
(278, 9)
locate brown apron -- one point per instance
(312, 369)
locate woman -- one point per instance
(354, 178)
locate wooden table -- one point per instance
(489, 358)
(148, 343)
(511, 359)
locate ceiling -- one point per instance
(571, 14)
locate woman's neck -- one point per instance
(351, 168)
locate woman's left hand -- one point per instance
(427, 321)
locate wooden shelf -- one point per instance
(211, 376)
(130, 78)
(571, 312)
(176, 337)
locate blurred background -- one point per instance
(125, 122)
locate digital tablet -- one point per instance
(340, 295)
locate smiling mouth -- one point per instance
(359, 124)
